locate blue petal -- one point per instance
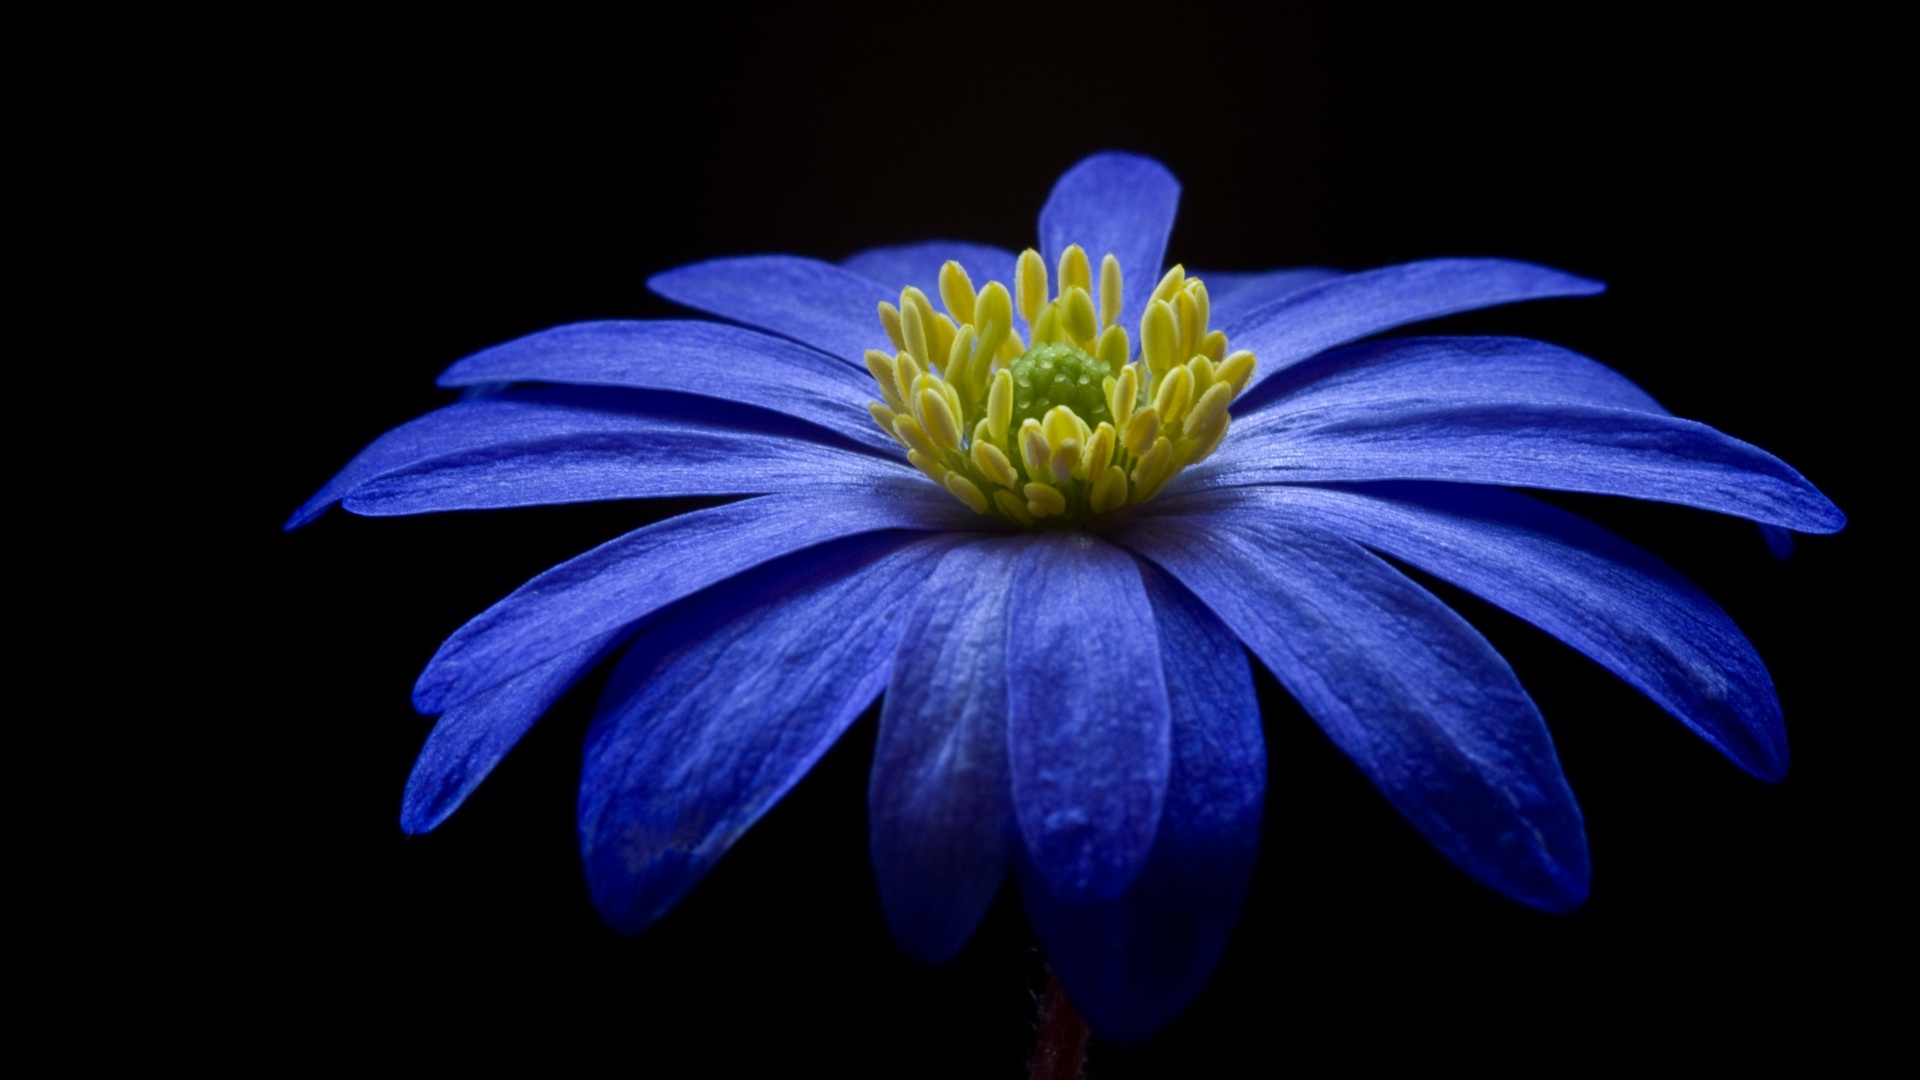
(1233, 296)
(942, 814)
(472, 737)
(702, 358)
(815, 303)
(571, 444)
(1585, 586)
(621, 582)
(1121, 204)
(1561, 447)
(1385, 376)
(919, 265)
(582, 458)
(1348, 308)
(724, 703)
(1087, 714)
(1410, 692)
(1131, 963)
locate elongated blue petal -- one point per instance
(724, 703)
(1234, 296)
(901, 265)
(1560, 447)
(471, 738)
(622, 581)
(815, 303)
(1087, 714)
(1388, 376)
(627, 458)
(1609, 599)
(1288, 330)
(1118, 204)
(708, 359)
(572, 444)
(1131, 963)
(1410, 692)
(941, 808)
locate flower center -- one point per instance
(1074, 427)
(1049, 375)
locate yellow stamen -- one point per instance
(1144, 427)
(992, 461)
(1034, 451)
(1109, 491)
(1000, 404)
(905, 372)
(1113, 347)
(927, 465)
(1121, 398)
(1186, 322)
(1159, 340)
(882, 368)
(1045, 499)
(1074, 427)
(1013, 506)
(1099, 449)
(942, 426)
(1109, 290)
(967, 492)
(885, 417)
(1074, 271)
(890, 322)
(1235, 370)
(1169, 284)
(956, 292)
(1174, 395)
(915, 322)
(1030, 284)
(1078, 318)
(913, 435)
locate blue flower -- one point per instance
(1050, 554)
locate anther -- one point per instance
(1142, 430)
(1122, 397)
(1159, 341)
(1074, 271)
(881, 367)
(956, 291)
(890, 322)
(914, 326)
(1030, 284)
(1236, 371)
(992, 461)
(1045, 499)
(1013, 506)
(1109, 290)
(1109, 491)
(911, 433)
(1078, 318)
(937, 416)
(967, 492)
(1034, 451)
(1169, 284)
(1000, 404)
(1113, 347)
(1174, 395)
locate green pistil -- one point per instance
(1058, 374)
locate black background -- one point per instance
(382, 200)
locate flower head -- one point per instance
(1049, 548)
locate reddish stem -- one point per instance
(1060, 1046)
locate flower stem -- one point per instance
(1060, 1044)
